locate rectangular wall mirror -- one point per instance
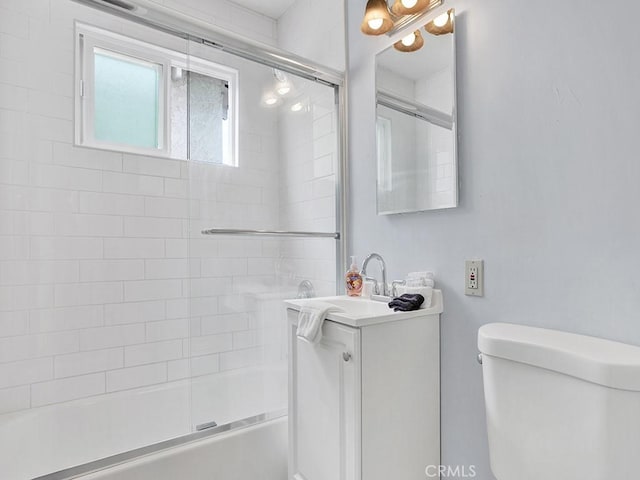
(416, 121)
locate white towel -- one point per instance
(310, 319)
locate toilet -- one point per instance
(560, 406)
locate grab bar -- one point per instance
(269, 233)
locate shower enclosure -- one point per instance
(143, 263)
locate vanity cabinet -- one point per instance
(364, 403)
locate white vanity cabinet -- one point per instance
(364, 403)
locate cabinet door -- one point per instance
(324, 404)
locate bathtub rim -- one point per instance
(147, 450)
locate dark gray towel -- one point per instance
(406, 302)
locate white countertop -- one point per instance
(359, 311)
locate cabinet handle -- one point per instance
(346, 356)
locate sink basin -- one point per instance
(359, 311)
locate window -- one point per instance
(127, 106)
(140, 98)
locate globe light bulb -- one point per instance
(409, 40)
(296, 107)
(283, 89)
(270, 100)
(409, 3)
(441, 20)
(375, 23)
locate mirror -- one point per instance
(416, 125)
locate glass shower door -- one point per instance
(277, 178)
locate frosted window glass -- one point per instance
(126, 100)
(200, 118)
(207, 119)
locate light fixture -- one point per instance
(377, 19)
(283, 88)
(441, 24)
(282, 84)
(409, 7)
(270, 99)
(410, 43)
(296, 107)
(441, 20)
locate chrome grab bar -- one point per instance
(269, 233)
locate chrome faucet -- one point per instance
(383, 269)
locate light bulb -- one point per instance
(409, 40)
(409, 3)
(441, 20)
(283, 89)
(375, 23)
(270, 100)
(296, 107)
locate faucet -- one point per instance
(383, 269)
(306, 290)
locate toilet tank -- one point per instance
(560, 406)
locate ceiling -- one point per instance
(270, 8)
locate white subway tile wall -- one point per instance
(308, 189)
(105, 281)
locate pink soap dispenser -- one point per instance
(353, 279)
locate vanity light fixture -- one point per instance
(409, 7)
(410, 43)
(283, 85)
(270, 100)
(301, 107)
(441, 24)
(377, 19)
(283, 88)
(380, 19)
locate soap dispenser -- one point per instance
(353, 279)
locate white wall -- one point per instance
(548, 112)
(229, 16)
(316, 31)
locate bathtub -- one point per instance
(41, 441)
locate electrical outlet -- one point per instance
(474, 278)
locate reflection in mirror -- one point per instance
(416, 126)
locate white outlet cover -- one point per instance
(474, 288)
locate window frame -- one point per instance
(89, 37)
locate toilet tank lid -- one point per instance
(605, 362)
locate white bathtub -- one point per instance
(44, 440)
(258, 452)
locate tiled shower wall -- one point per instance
(95, 276)
(230, 288)
(308, 188)
(434, 151)
(308, 138)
